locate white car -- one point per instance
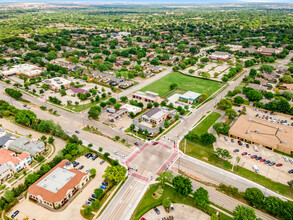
(123, 156)
(116, 152)
(286, 159)
(68, 132)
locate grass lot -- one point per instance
(148, 202)
(206, 153)
(81, 107)
(173, 92)
(199, 85)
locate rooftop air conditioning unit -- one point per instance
(284, 142)
(248, 132)
(250, 120)
(257, 130)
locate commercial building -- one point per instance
(23, 69)
(58, 83)
(269, 51)
(189, 97)
(79, 90)
(146, 96)
(125, 109)
(155, 116)
(270, 135)
(219, 55)
(14, 161)
(57, 186)
(22, 144)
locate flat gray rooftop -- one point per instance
(56, 180)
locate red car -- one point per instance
(279, 164)
(142, 218)
(253, 156)
(262, 160)
(244, 153)
(155, 143)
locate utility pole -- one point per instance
(184, 145)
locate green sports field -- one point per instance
(162, 86)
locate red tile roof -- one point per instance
(9, 156)
(56, 197)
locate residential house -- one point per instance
(14, 161)
(5, 172)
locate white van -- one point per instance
(255, 148)
(255, 168)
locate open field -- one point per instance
(162, 86)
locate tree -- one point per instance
(266, 68)
(87, 210)
(117, 106)
(173, 86)
(9, 196)
(231, 113)
(239, 100)
(225, 79)
(206, 75)
(223, 153)
(254, 95)
(166, 124)
(98, 193)
(176, 116)
(93, 172)
(254, 197)
(149, 105)
(124, 99)
(51, 140)
(40, 158)
(224, 104)
(25, 117)
(221, 127)
(175, 68)
(273, 205)
(165, 177)
(182, 185)
(96, 204)
(115, 173)
(252, 73)
(13, 93)
(242, 212)
(31, 178)
(166, 203)
(207, 138)
(94, 112)
(201, 196)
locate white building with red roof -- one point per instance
(57, 186)
(14, 161)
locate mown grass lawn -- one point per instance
(148, 202)
(162, 86)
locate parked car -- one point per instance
(68, 132)
(15, 214)
(236, 150)
(244, 153)
(232, 140)
(240, 143)
(226, 139)
(262, 160)
(172, 207)
(77, 132)
(136, 144)
(91, 199)
(255, 148)
(102, 162)
(267, 162)
(105, 183)
(253, 156)
(94, 157)
(291, 160)
(255, 168)
(81, 167)
(116, 152)
(279, 164)
(258, 158)
(155, 143)
(103, 187)
(290, 171)
(75, 164)
(87, 171)
(247, 145)
(272, 163)
(94, 196)
(157, 210)
(286, 159)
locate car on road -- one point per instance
(123, 156)
(103, 187)
(157, 210)
(136, 143)
(272, 163)
(244, 153)
(253, 156)
(267, 162)
(155, 143)
(290, 171)
(15, 214)
(279, 164)
(94, 157)
(262, 160)
(236, 150)
(105, 183)
(116, 152)
(102, 162)
(81, 167)
(77, 131)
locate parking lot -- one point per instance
(278, 174)
(72, 211)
